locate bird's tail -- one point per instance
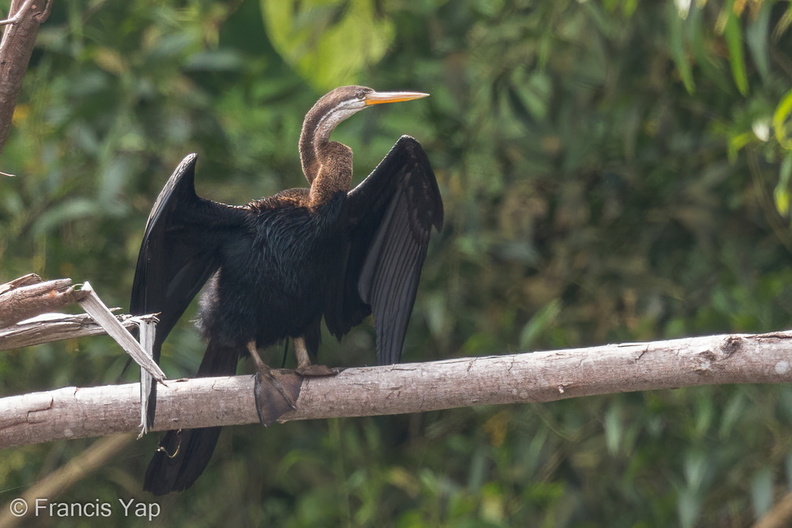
(184, 454)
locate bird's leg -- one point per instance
(304, 365)
(276, 393)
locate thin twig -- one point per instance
(24, 280)
(16, 17)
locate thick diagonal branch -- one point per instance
(74, 412)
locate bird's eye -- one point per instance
(361, 95)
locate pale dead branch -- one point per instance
(28, 296)
(57, 327)
(102, 315)
(74, 412)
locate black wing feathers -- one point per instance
(391, 216)
(179, 252)
(179, 249)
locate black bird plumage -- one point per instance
(279, 265)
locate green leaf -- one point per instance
(678, 52)
(734, 42)
(328, 42)
(614, 428)
(762, 492)
(781, 191)
(782, 121)
(540, 322)
(756, 37)
(688, 508)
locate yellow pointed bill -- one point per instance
(392, 97)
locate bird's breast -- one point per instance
(290, 248)
(274, 281)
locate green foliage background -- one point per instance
(612, 170)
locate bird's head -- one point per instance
(345, 101)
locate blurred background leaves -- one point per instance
(612, 170)
(329, 43)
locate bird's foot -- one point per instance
(316, 371)
(276, 394)
(304, 366)
(276, 391)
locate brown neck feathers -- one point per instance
(333, 174)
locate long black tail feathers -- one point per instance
(184, 454)
(181, 458)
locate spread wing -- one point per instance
(391, 215)
(180, 249)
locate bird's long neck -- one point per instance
(334, 173)
(327, 165)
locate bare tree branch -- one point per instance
(102, 315)
(16, 47)
(17, 16)
(57, 327)
(24, 298)
(74, 412)
(24, 280)
(27, 296)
